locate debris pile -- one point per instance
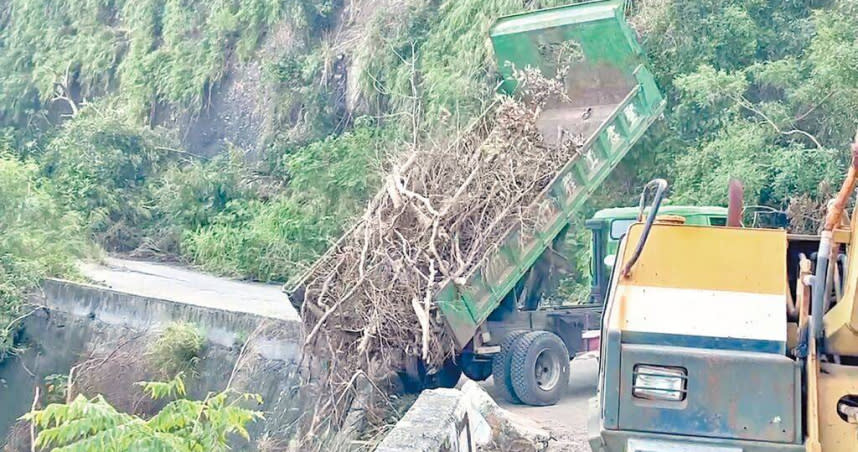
(368, 304)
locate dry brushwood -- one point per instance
(369, 303)
(805, 212)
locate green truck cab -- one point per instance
(608, 226)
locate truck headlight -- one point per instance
(660, 383)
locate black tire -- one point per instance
(500, 367)
(413, 377)
(447, 377)
(475, 369)
(539, 368)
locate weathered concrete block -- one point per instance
(437, 422)
(460, 420)
(509, 432)
(281, 340)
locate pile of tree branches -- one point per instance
(368, 305)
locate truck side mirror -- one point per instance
(610, 259)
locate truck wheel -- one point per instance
(447, 377)
(500, 367)
(413, 377)
(477, 370)
(539, 368)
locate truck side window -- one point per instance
(620, 227)
(718, 221)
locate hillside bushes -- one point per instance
(100, 165)
(38, 238)
(151, 53)
(329, 183)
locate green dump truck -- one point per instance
(611, 100)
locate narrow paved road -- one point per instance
(182, 285)
(566, 421)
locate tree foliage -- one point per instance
(330, 182)
(100, 164)
(38, 238)
(182, 425)
(761, 91)
(177, 349)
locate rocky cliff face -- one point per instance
(250, 106)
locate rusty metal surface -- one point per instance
(735, 195)
(618, 440)
(735, 395)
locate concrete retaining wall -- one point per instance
(221, 327)
(80, 320)
(437, 422)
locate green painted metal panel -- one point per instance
(547, 38)
(685, 211)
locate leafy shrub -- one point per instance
(189, 195)
(177, 348)
(264, 241)
(56, 388)
(99, 165)
(329, 183)
(182, 425)
(38, 238)
(343, 171)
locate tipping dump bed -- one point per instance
(611, 100)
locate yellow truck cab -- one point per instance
(703, 349)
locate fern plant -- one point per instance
(182, 425)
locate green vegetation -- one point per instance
(433, 61)
(100, 165)
(39, 238)
(329, 183)
(761, 91)
(177, 349)
(182, 425)
(96, 98)
(156, 52)
(56, 388)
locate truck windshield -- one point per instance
(619, 227)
